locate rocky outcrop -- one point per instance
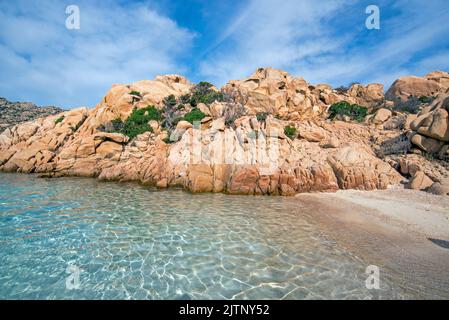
(291, 98)
(276, 92)
(428, 86)
(431, 128)
(12, 113)
(356, 168)
(370, 96)
(240, 145)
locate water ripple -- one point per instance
(134, 243)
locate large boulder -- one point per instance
(382, 115)
(420, 181)
(370, 96)
(432, 126)
(355, 168)
(428, 86)
(276, 92)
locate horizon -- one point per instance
(46, 63)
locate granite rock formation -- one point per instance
(268, 134)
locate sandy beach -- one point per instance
(404, 232)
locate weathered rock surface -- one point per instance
(428, 86)
(371, 96)
(420, 181)
(12, 113)
(231, 150)
(291, 98)
(431, 127)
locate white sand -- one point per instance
(417, 211)
(392, 229)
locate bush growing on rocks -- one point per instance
(136, 96)
(172, 111)
(194, 115)
(60, 119)
(170, 101)
(344, 108)
(262, 116)
(135, 93)
(290, 132)
(135, 124)
(203, 93)
(184, 99)
(425, 99)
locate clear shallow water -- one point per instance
(130, 242)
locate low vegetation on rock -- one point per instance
(135, 93)
(353, 111)
(262, 116)
(137, 122)
(290, 131)
(203, 93)
(194, 115)
(60, 119)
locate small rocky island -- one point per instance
(12, 113)
(271, 134)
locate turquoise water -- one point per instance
(130, 242)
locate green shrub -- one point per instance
(185, 98)
(60, 119)
(194, 115)
(170, 101)
(206, 98)
(202, 93)
(132, 130)
(144, 115)
(172, 110)
(137, 122)
(290, 132)
(262, 116)
(425, 99)
(344, 108)
(205, 84)
(135, 93)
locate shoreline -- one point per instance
(386, 228)
(364, 221)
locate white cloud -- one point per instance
(327, 41)
(273, 33)
(44, 62)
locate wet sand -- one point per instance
(403, 232)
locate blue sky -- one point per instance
(125, 41)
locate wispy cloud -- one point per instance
(328, 42)
(43, 61)
(125, 41)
